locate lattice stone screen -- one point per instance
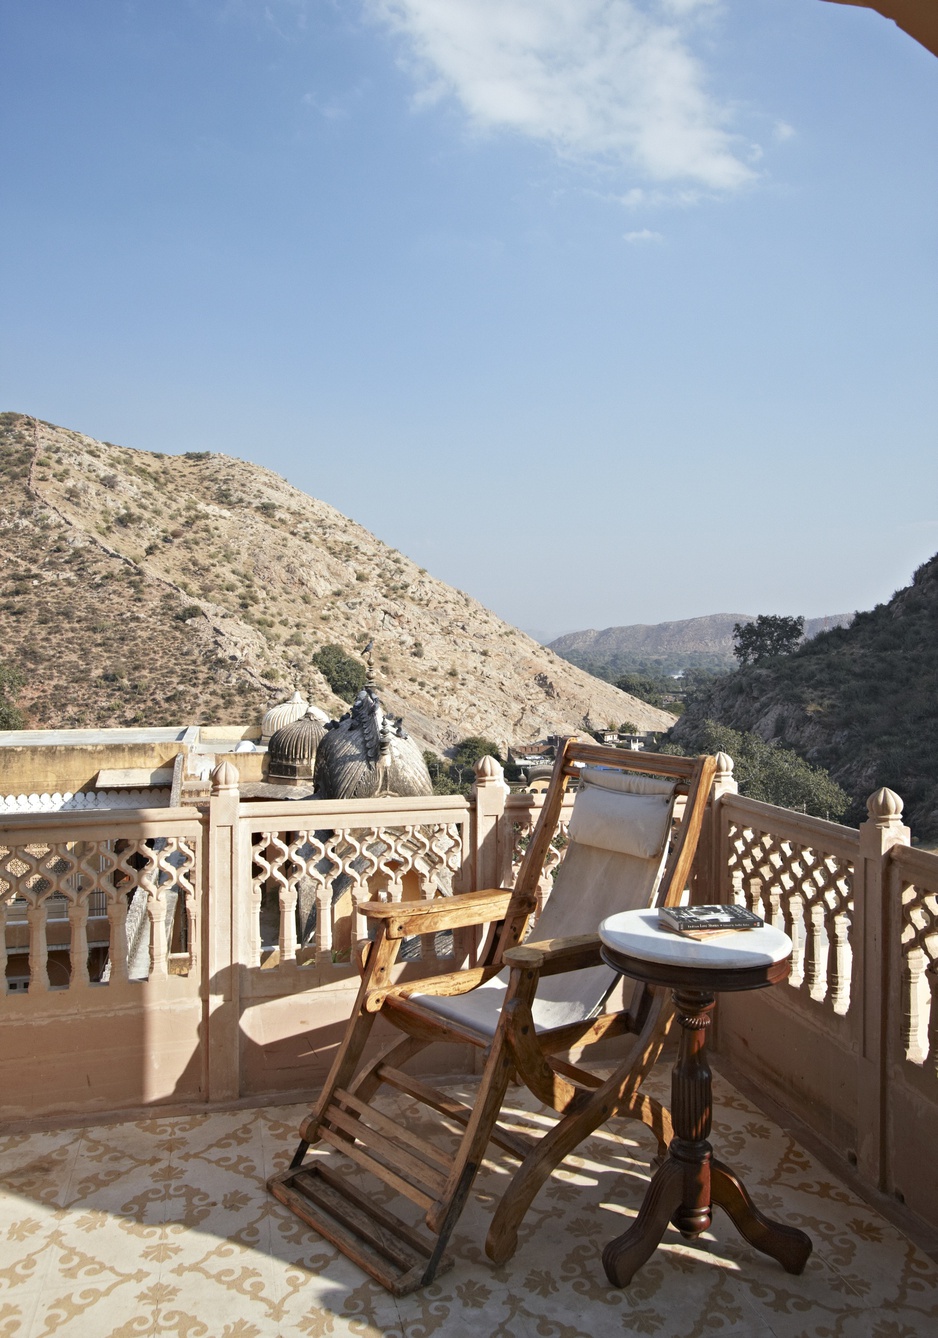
(793, 881)
(308, 886)
(129, 906)
(916, 890)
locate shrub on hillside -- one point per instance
(458, 776)
(770, 771)
(11, 680)
(344, 674)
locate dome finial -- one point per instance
(368, 652)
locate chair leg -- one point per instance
(499, 1067)
(443, 1215)
(343, 1067)
(616, 1097)
(502, 1239)
(652, 1114)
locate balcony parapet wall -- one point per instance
(208, 955)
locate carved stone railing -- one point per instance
(850, 1045)
(206, 955)
(314, 865)
(68, 802)
(913, 939)
(98, 905)
(797, 872)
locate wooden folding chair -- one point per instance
(524, 1007)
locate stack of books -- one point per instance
(703, 922)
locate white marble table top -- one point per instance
(637, 934)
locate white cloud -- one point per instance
(783, 131)
(644, 235)
(602, 81)
(338, 107)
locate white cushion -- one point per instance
(630, 815)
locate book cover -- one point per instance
(707, 919)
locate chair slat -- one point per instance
(399, 1163)
(393, 1252)
(517, 1145)
(393, 1129)
(388, 1241)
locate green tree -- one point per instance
(770, 771)
(644, 687)
(468, 751)
(458, 776)
(345, 675)
(439, 770)
(11, 680)
(769, 635)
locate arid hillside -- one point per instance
(163, 589)
(860, 701)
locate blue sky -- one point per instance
(605, 311)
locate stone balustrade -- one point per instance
(206, 955)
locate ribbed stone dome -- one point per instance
(283, 714)
(368, 754)
(291, 752)
(286, 713)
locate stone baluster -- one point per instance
(38, 948)
(117, 938)
(226, 911)
(78, 945)
(883, 829)
(490, 792)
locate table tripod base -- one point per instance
(667, 1201)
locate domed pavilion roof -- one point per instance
(367, 754)
(292, 750)
(285, 713)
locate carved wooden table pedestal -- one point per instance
(691, 1180)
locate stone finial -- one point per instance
(884, 804)
(488, 770)
(725, 765)
(225, 778)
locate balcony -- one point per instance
(189, 972)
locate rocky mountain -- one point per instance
(705, 643)
(140, 588)
(861, 701)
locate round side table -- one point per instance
(690, 1180)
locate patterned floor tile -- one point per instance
(164, 1227)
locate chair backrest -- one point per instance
(617, 858)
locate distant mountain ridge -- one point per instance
(140, 588)
(710, 635)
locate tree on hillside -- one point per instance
(769, 635)
(645, 688)
(770, 771)
(468, 751)
(345, 675)
(458, 776)
(439, 770)
(11, 680)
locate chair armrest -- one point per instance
(553, 955)
(403, 918)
